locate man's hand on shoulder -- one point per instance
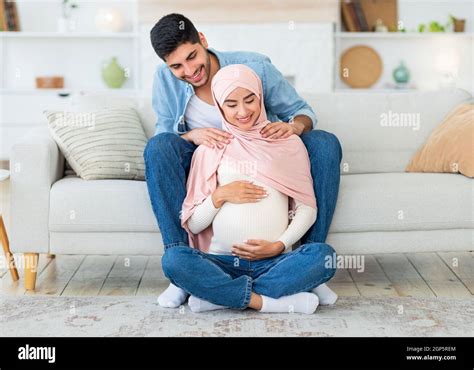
(282, 130)
(208, 136)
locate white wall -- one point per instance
(414, 12)
(79, 60)
(42, 15)
(303, 52)
(427, 58)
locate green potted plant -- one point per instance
(433, 26)
(458, 24)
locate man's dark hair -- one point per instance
(170, 32)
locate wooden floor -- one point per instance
(408, 275)
(448, 274)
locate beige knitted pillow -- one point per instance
(102, 144)
(450, 147)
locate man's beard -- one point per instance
(207, 71)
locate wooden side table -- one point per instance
(4, 175)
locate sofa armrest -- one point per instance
(35, 164)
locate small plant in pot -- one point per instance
(458, 24)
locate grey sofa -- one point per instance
(381, 209)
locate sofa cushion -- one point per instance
(380, 132)
(367, 202)
(371, 144)
(450, 148)
(403, 201)
(100, 205)
(102, 144)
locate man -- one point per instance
(187, 118)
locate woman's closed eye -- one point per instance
(247, 102)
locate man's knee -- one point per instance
(322, 144)
(160, 144)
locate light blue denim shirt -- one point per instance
(170, 95)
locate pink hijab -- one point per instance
(280, 163)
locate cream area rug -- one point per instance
(142, 316)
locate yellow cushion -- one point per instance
(450, 147)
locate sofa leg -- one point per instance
(31, 268)
(51, 255)
(6, 250)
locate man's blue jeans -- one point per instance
(168, 159)
(229, 280)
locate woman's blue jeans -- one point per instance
(228, 280)
(168, 159)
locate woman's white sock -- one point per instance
(325, 294)
(172, 297)
(199, 305)
(300, 302)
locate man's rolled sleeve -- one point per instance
(281, 98)
(307, 112)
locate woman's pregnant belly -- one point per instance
(266, 219)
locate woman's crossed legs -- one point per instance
(278, 284)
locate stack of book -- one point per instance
(8, 16)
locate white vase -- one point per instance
(66, 25)
(63, 24)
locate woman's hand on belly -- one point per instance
(238, 192)
(257, 249)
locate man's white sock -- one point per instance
(172, 297)
(325, 294)
(300, 302)
(199, 305)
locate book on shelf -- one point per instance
(9, 16)
(364, 27)
(349, 16)
(353, 16)
(3, 19)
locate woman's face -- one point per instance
(241, 108)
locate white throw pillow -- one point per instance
(85, 102)
(101, 144)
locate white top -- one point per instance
(199, 114)
(4, 174)
(266, 219)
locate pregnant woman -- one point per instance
(247, 203)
